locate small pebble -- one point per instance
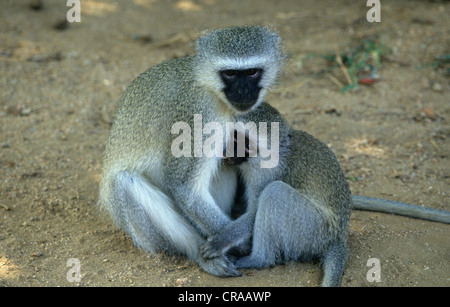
(37, 254)
(36, 5)
(437, 87)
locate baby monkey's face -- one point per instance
(242, 146)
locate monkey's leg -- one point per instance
(289, 226)
(150, 218)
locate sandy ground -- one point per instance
(59, 88)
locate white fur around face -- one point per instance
(240, 63)
(269, 66)
(207, 72)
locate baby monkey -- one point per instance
(297, 210)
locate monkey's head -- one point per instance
(239, 64)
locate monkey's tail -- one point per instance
(395, 207)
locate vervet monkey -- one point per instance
(299, 209)
(173, 203)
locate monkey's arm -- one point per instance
(202, 210)
(396, 207)
(234, 234)
(188, 183)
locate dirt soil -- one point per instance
(60, 83)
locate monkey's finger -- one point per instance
(233, 272)
(230, 269)
(221, 267)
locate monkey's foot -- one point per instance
(219, 266)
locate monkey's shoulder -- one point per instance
(314, 170)
(312, 158)
(168, 87)
(165, 77)
(309, 146)
(178, 66)
(262, 113)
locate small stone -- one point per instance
(181, 281)
(437, 87)
(37, 254)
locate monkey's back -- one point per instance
(152, 103)
(140, 110)
(313, 169)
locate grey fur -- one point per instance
(168, 203)
(299, 210)
(395, 207)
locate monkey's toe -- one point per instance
(221, 267)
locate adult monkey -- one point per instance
(173, 204)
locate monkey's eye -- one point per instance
(230, 73)
(253, 72)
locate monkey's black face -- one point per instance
(242, 87)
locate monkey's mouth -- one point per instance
(243, 101)
(243, 105)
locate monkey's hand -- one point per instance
(217, 245)
(234, 234)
